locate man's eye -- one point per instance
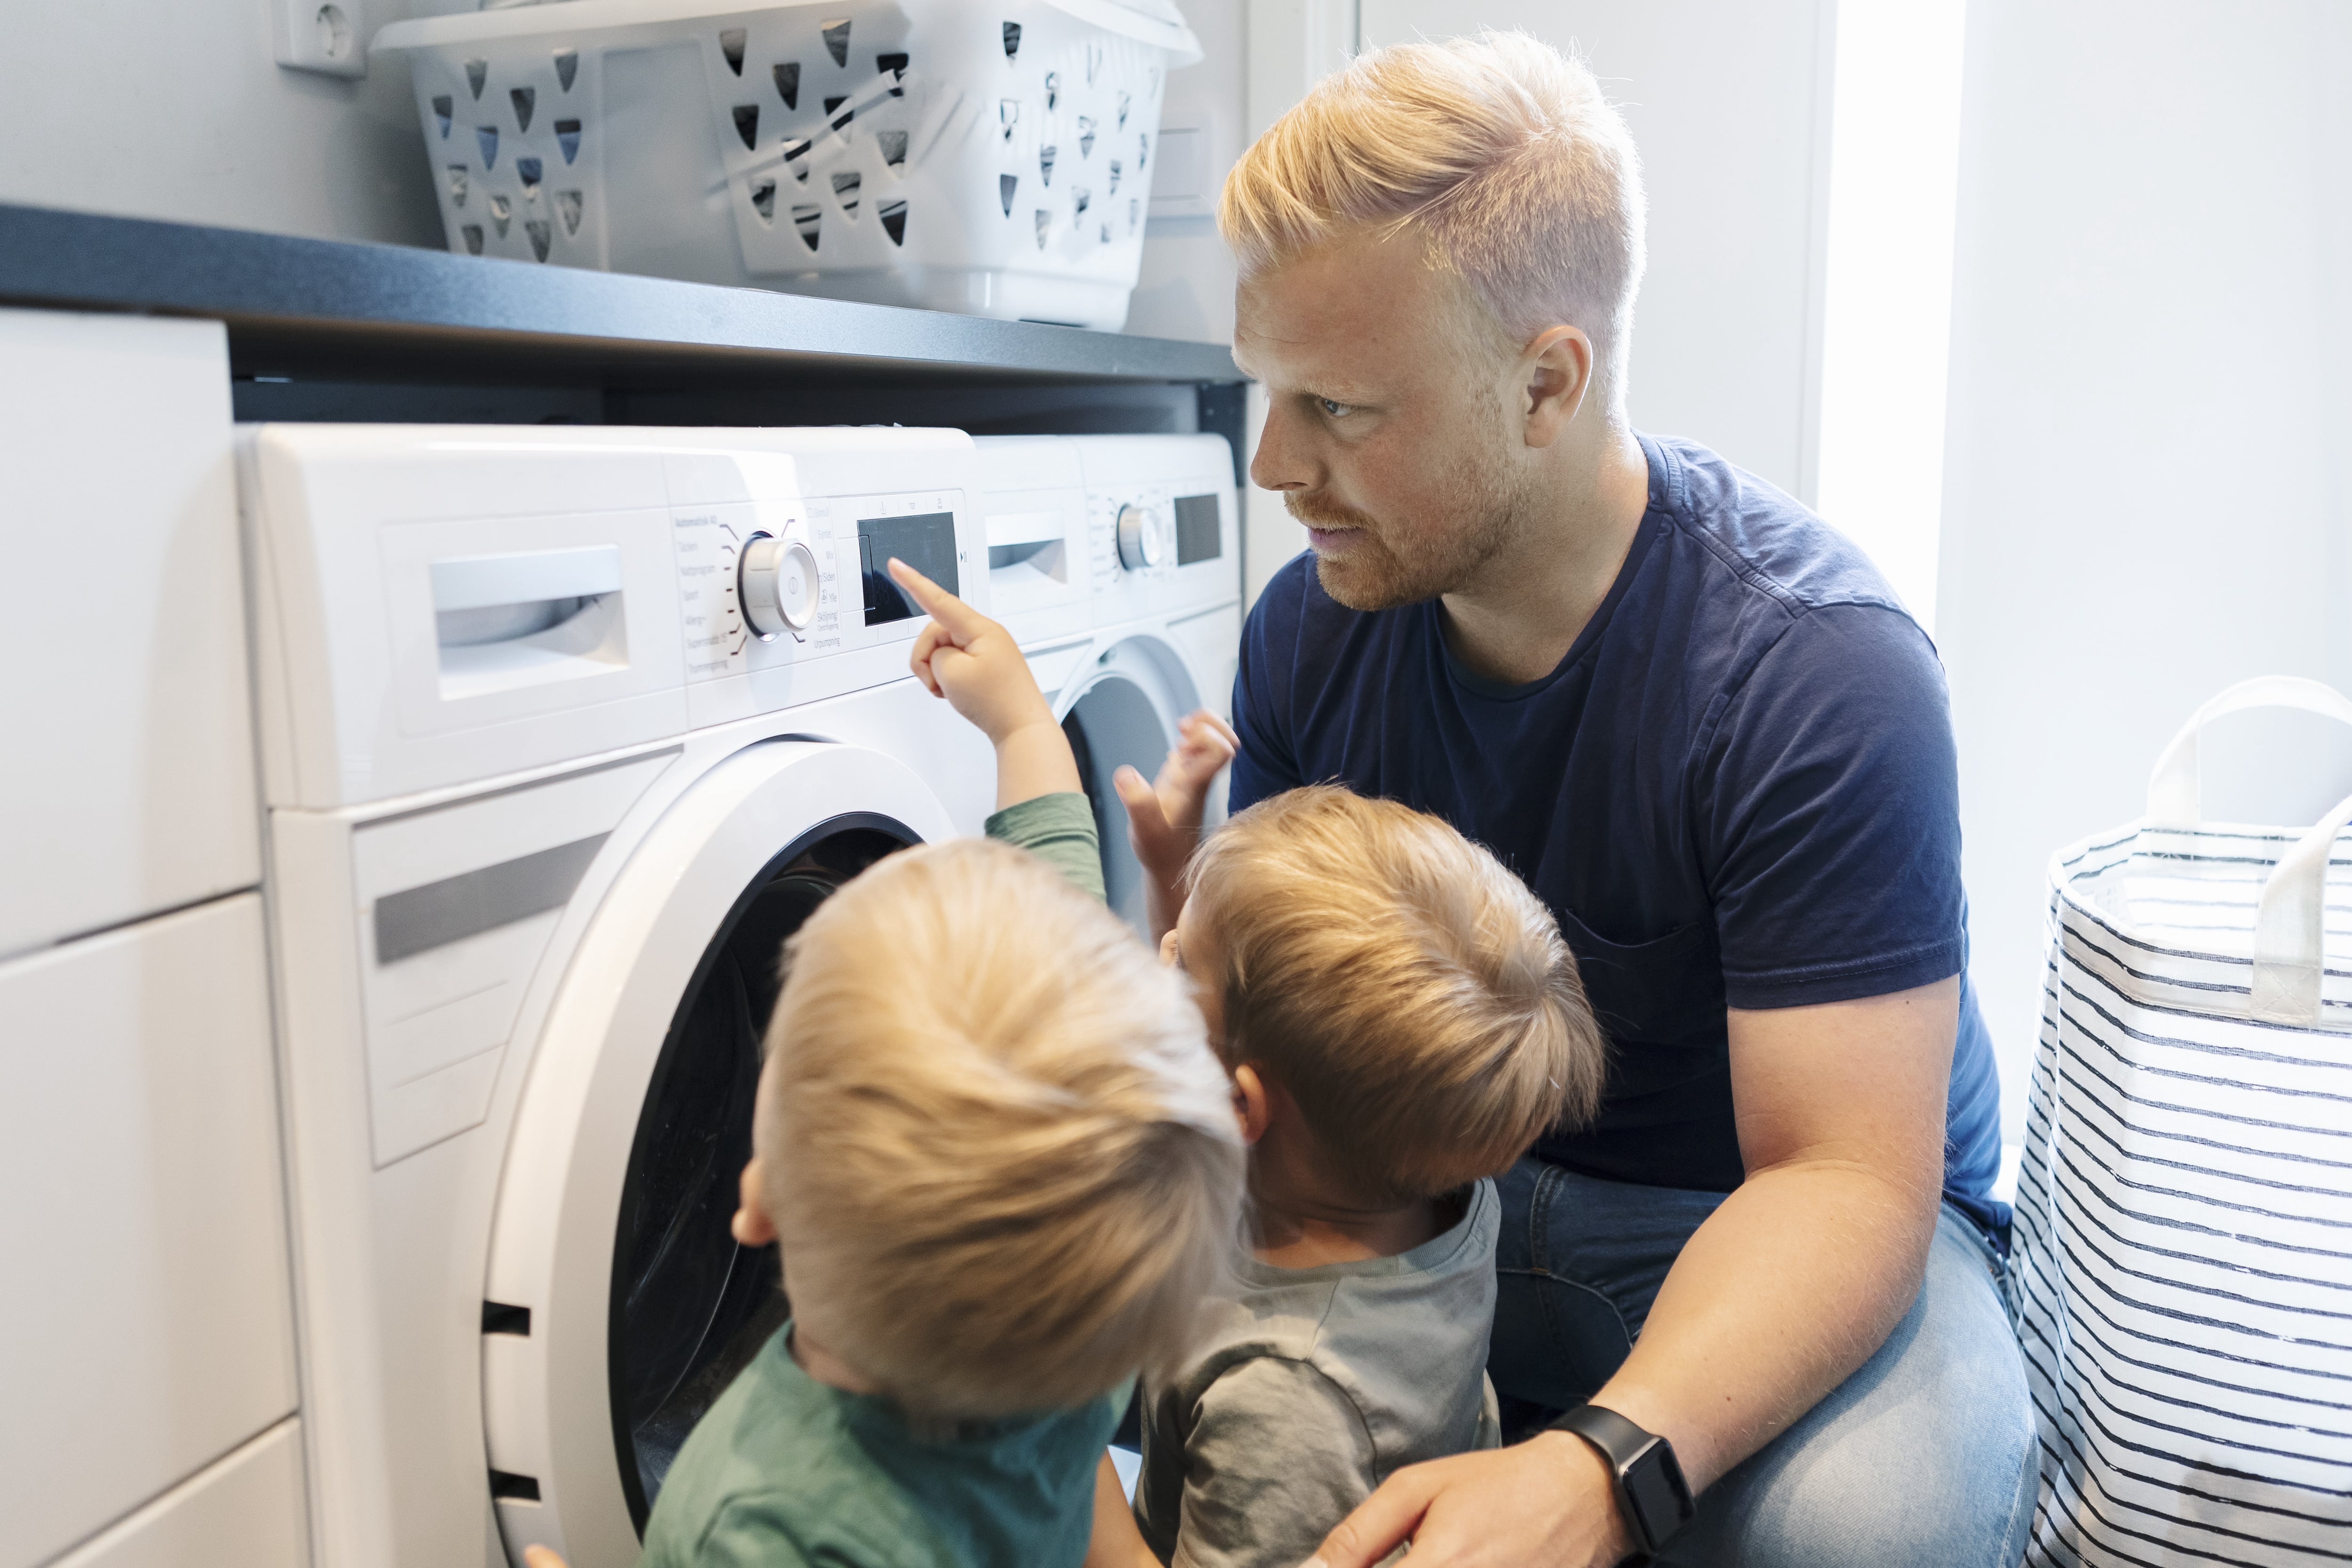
(1335, 409)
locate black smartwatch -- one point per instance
(1651, 1492)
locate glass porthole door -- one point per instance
(617, 1305)
(690, 1306)
(1121, 711)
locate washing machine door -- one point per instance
(1122, 708)
(617, 1306)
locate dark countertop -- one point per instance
(312, 307)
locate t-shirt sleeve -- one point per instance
(1827, 803)
(746, 1534)
(1058, 828)
(1267, 762)
(1277, 1455)
(759, 1532)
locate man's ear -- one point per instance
(753, 1224)
(1253, 1106)
(1554, 373)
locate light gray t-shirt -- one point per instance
(1315, 1385)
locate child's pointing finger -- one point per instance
(962, 621)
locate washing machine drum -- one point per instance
(691, 1306)
(618, 1305)
(1124, 713)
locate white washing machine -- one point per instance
(564, 732)
(1115, 562)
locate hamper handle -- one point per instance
(2291, 928)
(2173, 793)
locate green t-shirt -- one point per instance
(784, 1471)
(1061, 829)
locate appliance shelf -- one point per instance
(309, 307)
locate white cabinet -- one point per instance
(244, 1513)
(124, 707)
(146, 1330)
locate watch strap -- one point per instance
(1651, 1492)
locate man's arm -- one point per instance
(1788, 1287)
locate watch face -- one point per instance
(1655, 1487)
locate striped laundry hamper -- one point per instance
(2183, 1245)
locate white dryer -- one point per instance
(1115, 562)
(564, 732)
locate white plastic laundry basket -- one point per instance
(993, 159)
(2183, 1251)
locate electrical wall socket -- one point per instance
(325, 36)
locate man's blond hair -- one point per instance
(1407, 991)
(1499, 150)
(1001, 1158)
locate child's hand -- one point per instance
(1163, 819)
(974, 663)
(971, 660)
(540, 1557)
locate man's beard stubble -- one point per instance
(1391, 566)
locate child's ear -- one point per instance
(753, 1225)
(1251, 1106)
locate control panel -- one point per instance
(440, 604)
(766, 582)
(1088, 530)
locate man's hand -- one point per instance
(1163, 817)
(974, 663)
(1548, 1502)
(1789, 1285)
(541, 1557)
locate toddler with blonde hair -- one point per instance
(1400, 1019)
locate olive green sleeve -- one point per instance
(1060, 827)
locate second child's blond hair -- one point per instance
(1001, 1158)
(1402, 986)
(1501, 152)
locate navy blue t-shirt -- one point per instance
(1738, 789)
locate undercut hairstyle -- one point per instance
(1407, 991)
(1500, 150)
(1002, 1159)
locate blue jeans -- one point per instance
(1925, 1456)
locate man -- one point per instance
(1702, 728)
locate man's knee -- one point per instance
(1924, 1456)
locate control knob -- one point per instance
(1143, 538)
(776, 584)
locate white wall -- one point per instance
(2144, 494)
(1290, 44)
(177, 109)
(1186, 287)
(1887, 284)
(1729, 103)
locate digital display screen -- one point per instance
(926, 542)
(1197, 536)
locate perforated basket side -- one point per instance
(949, 137)
(922, 152)
(515, 131)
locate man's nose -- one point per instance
(1281, 461)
